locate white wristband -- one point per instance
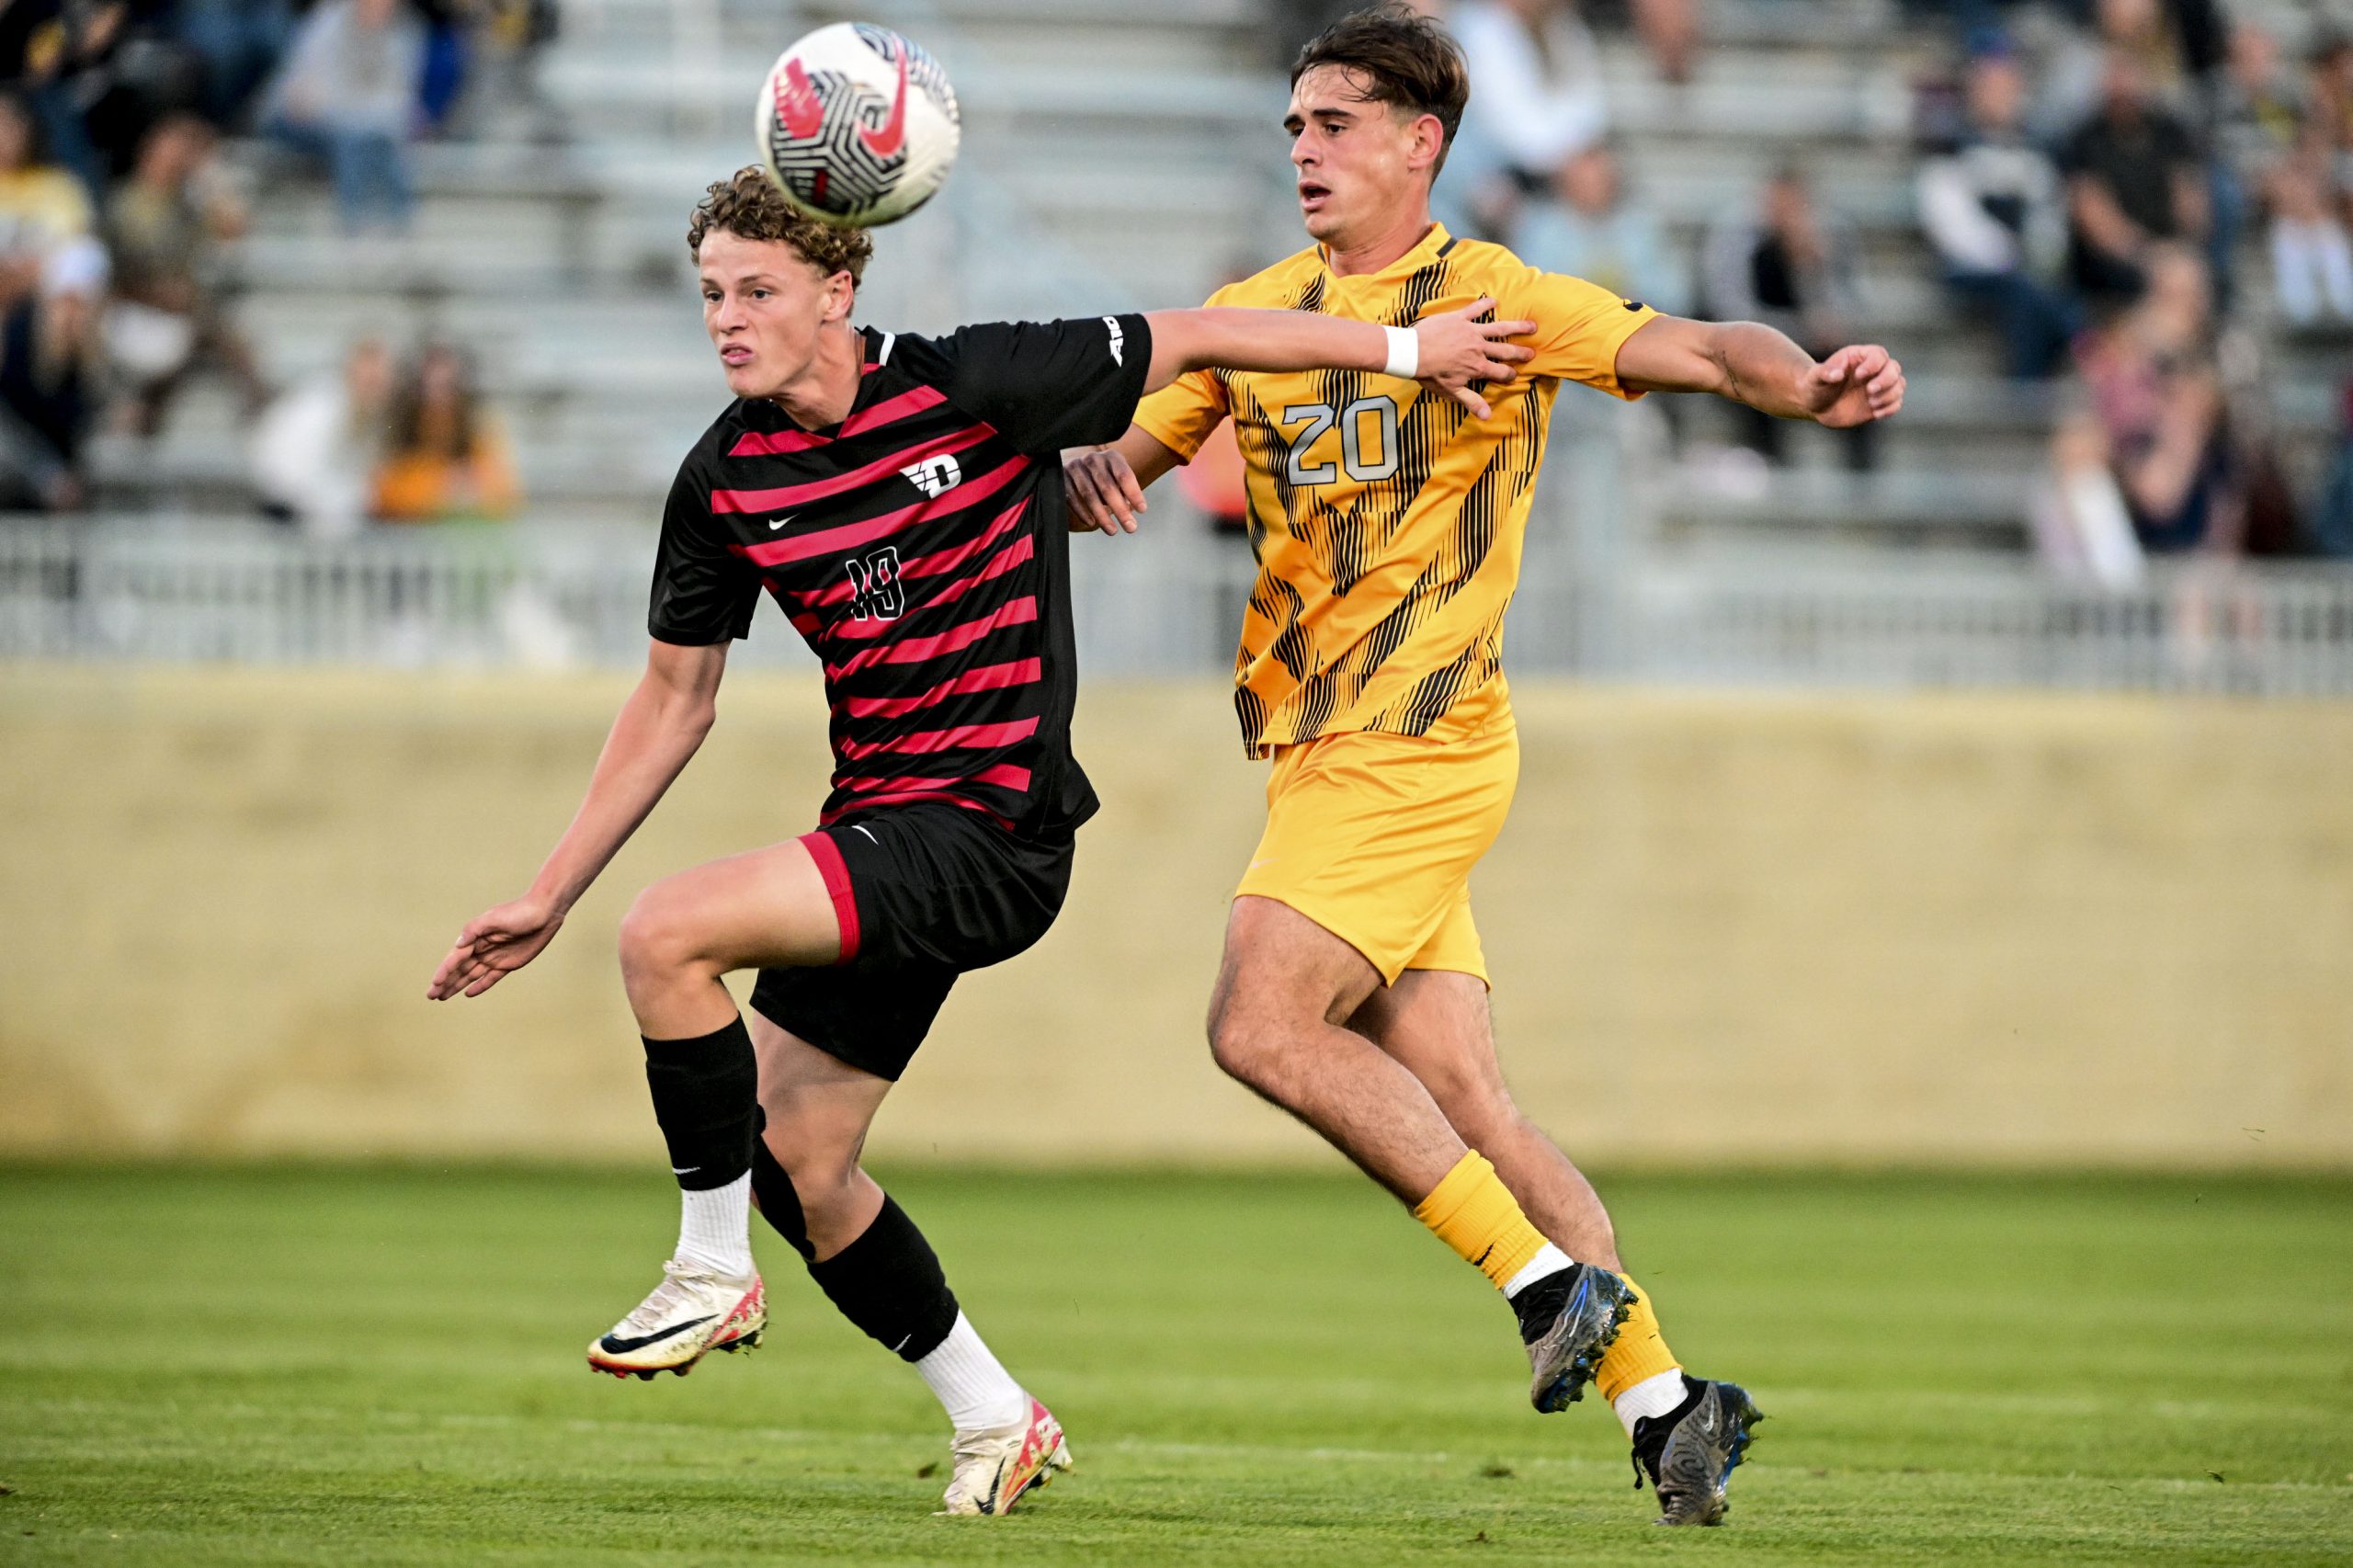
(1404, 353)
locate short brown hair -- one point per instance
(750, 207)
(1399, 57)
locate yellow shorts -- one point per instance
(1373, 837)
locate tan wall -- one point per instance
(1723, 928)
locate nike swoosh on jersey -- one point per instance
(886, 142)
(616, 1345)
(779, 522)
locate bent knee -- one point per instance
(657, 938)
(1246, 1044)
(823, 1179)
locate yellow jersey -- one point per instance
(1387, 522)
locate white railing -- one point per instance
(544, 594)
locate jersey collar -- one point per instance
(874, 352)
(1426, 250)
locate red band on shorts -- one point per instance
(830, 866)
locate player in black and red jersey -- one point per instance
(902, 500)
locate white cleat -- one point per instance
(691, 1313)
(993, 1468)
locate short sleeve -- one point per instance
(1182, 414)
(703, 592)
(1580, 326)
(1044, 385)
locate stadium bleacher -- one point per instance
(1118, 159)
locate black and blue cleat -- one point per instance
(1688, 1454)
(1566, 1321)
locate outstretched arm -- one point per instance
(660, 727)
(1756, 365)
(1449, 350)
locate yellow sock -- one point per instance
(1640, 1351)
(1471, 1210)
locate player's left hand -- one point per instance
(493, 945)
(1457, 351)
(1102, 490)
(1854, 386)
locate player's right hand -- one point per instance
(493, 945)
(1103, 490)
(1457, 349)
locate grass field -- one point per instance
(307, 1365)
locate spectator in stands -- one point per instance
(445, 459)
(450, 45)
(1670, 30)
(519, 32)
(316, 448)
(1589, 228)
(1995, 211)
(2134, 182)
(347, 96)
(2155, 418)
(2176, 43)
(2312, 256)
(41, 206)
(48, 379)
(2333, 513)
(2259, 108)
(121, 71)
(2330, 130)
(239, 44)
(1539, 100)
(1788, 266)
(44, 45)
(163, 224)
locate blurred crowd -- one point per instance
(2138, 202)
(119, 210)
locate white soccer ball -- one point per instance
(856, 125)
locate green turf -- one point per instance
(368, 1367)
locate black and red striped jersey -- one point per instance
(920, 548)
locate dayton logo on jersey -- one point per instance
(874, 585)
(935, 476)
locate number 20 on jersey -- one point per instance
(1313, 419)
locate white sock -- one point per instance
(1548, 1260)
(1653, 1397)
(975, 1390)
(715, 1227)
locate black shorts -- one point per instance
(924, 892)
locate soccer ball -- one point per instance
(857, 125)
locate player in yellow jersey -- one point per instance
(1388, 525)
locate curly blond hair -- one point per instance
(749, 205)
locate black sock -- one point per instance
(889, 1283)
(706, 1091)
(772, 1189)
(1538, 1307)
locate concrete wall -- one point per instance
(1723, 928)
